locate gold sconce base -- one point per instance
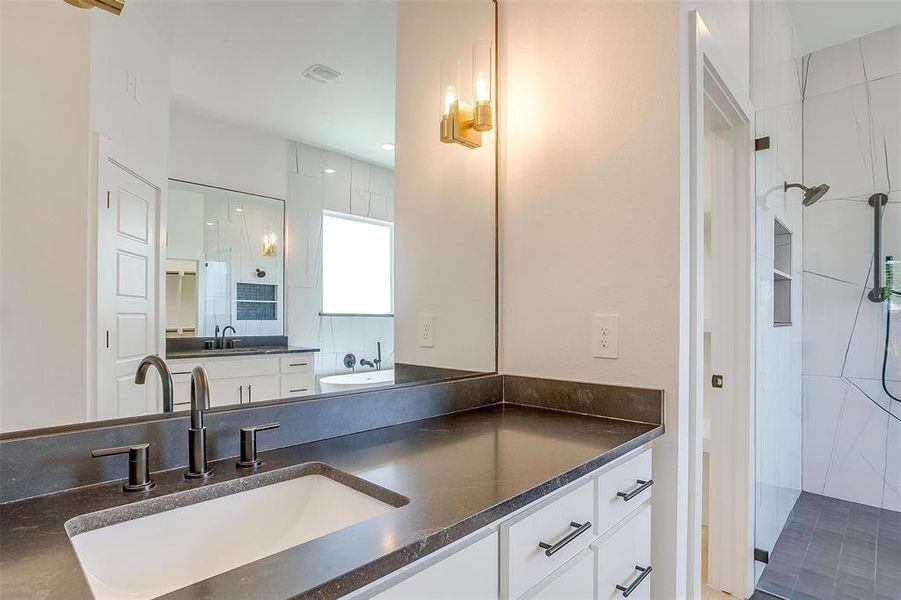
(113, 6)
(457, 126)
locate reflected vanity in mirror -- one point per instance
(273, 194)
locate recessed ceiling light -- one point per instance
(329, 171)
(209, 223)
(239, 210)
(388, 146)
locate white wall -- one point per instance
(445, 234)
(590, 212)
(212, 152)
(44, 206)
(777, 96)
(852, 141)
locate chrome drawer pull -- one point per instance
(642, 486)
(297, 364)
(297, 390)
(581, 528)
(645, 571)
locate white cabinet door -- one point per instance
(181, 390)
(224, 392)
(574, 581)
(127, 284)
(469, 574)
(258, 389)
(624, 559)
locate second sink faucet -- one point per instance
(200, 402)
(165, 378)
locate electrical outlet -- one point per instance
(426, 331)
(605, 336)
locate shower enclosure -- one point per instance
(828, 422)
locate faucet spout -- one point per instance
(165, 379)
(200, 402)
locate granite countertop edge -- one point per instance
(250, 351)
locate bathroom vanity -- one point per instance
(501, 500)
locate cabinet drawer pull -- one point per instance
(642, 486)
(550, 549)
(241, 394)
(297, 390)
(645, 571)
(297, 364)
(249, 393)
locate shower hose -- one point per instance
(888, 327)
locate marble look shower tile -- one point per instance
(336, 186)
(834, 68)
(882, 52)
(382, 181)
(864, 359)
(891, 494)
(837, 142)
(380, 207)
(309, 160)
(839, 240)
(829, 310)
(303, 220)
(304, 305)
(823, 401)
(359, 187)
(885, 100)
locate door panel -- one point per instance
(127, 320)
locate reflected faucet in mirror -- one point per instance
(165, 378)
(376, 363)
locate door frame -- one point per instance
(735, 566)
(106, 153)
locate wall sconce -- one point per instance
(113, 6)
(269, 246)
(463, 122)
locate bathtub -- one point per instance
(354, 381)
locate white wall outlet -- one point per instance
(426, 331)
(605, 336)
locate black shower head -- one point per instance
(811, 194)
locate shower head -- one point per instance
(811, 194)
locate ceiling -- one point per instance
(242, 62)
(824, 23)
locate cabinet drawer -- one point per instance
(617, 487)
(621, 556)
(574, 581)
(298, 385)
(297, 363)
(469, 574)
(247, 367)
(560, 524)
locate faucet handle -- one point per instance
(138, 465)
(249, 445)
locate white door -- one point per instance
(127, 282)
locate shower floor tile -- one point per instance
(833, 549)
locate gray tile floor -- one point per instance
(834, 549)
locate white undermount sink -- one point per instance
(152, 555)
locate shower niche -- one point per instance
(782, 275)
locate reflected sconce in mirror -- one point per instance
(269, 246)
(113, 6)
(463, 122)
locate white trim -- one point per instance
(735, 570)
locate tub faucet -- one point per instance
(375, 363)
(165, 378)
(200, 402)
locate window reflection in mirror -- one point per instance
(234, 184)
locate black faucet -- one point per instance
(200, 402)
(224, 331)
(165, 378)
(376, 363)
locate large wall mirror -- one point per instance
(297, 195)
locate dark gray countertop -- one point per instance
(460, 471)
(249, 351)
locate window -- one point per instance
(357, 265)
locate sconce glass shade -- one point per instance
(448, 94)
(269, 245)
(482, 76)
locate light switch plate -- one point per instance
(426, 331)
(605, 336)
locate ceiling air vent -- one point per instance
(321, 74)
